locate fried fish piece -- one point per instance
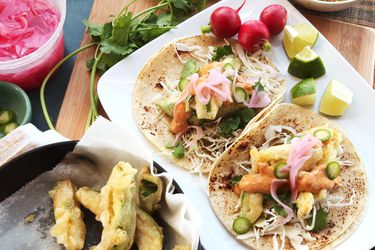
(118, 206)
(69, 230)
(150, 190)
(148, 234)
(90, 199)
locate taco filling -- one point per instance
(284, 190)
(220, 90)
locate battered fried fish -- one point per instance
(69, 230)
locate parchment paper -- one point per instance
(90, 164)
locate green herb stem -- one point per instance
(154, 28)
(149, 9)
(53, 70)
(93, 98)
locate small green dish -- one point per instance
(15, 99)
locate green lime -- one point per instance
(306, 64)
(297, 37)
(304, 92)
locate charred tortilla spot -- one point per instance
(158, 86)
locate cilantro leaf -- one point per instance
(109, 46)
(164, 19)
(179, 151)
(246, 115)
(121, 28)
(235, 180)
(222, 51)
(280, 210)
(320, 220)
(98, 31)
(181, 4)
(229, 125)
(236, 120)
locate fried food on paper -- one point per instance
(90, 199)
(148, 235)
(118, 205)
(69, 230)
(150, 190)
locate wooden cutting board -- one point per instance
(356, 43)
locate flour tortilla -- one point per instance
(166, 67)
(342, 221)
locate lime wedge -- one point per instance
(336, 99)
(297, 37)
(304, 92)
(306, 64)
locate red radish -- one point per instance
(254, 35)
(225, 21)
(274, 17)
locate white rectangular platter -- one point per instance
(115, 92)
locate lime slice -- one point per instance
(306, 64)
(297, 37)
(336, 99)
(304, 92)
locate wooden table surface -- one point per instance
(356, 43)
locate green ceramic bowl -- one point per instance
(15, 99)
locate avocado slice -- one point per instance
(167, 103)
(208, 111)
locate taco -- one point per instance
(196, 95)
(294, 180)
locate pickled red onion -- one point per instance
(300, 153)
(275, 184)
(188, 90)
(25, 26)
(196, 138)
(216, 84)
(259, 99)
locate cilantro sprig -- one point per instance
(222, 51)
(122, 36)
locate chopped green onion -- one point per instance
(280, 174)
(322, 134)
(241, 225)
(10, 127)
(6, 116)
(241, 95)
(333, 170)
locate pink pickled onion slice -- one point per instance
(300, 153)
(216, 84)
(275, 184)
(259, 99)
(198, 136)
(188, 89)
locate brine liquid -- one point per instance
(25, 26)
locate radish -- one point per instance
(274, 17)
(225, 21)
(254, 35)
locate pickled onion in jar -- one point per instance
(25, 27)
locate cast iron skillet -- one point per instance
(26, 167)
